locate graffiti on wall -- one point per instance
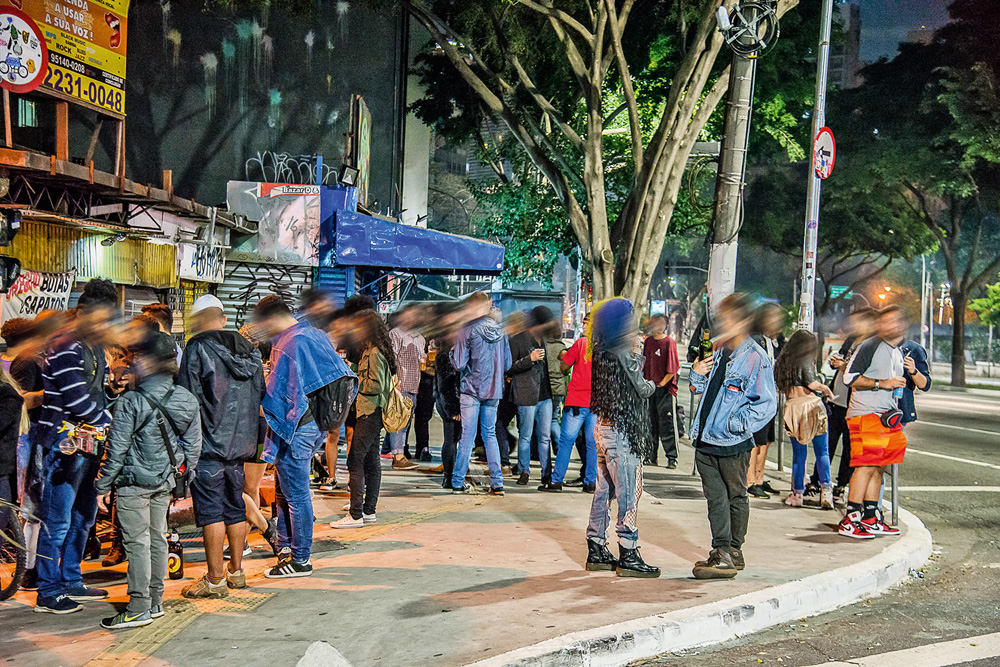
(247, 284)
(201, 262)
(272, 167)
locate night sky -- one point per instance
(886, 23)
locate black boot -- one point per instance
(630, 564)
(599, 557)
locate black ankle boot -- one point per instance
(630, 564)
(599, 557)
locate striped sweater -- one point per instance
(71, 392)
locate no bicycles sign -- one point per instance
(824, 153)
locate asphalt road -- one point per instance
(951, 481)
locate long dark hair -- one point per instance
(375, 331)
(797, 352)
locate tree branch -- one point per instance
(558, 15)
(628, 90)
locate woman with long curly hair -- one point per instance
(620, 399)
(805, 417)
(375, 372)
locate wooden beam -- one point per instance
(8, 141)
(168, 181)
(93, 139)
(62, 131)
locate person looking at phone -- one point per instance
(147, 421)
(875, 376)
(531, 391)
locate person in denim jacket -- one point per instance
(302, 361)
(738, 399)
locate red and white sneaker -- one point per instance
(876, 526)
(851, 526)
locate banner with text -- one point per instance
(86, 42)
(34, 292)
(201, 262)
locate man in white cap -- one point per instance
(224, 372)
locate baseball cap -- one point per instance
(204, 302)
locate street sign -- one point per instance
(658, 307)
(824, 153)
(25, 57)
(836, 291)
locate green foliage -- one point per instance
(988, 307)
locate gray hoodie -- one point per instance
(482, 356)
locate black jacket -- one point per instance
(525, 375)
(10, 429)
(224, 372)
(447, 381)
(137, 457)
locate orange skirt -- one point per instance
(873, 444)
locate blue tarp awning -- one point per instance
(361, 240)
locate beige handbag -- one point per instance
(396, 413)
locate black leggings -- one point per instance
(363, 464)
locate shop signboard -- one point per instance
(201, 262)
(23, 54)
(85, 42)
(34, 292)
(287, 217)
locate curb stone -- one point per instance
(621, 643)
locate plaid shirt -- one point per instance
(409, 348)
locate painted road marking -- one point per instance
(991, 489)
(931, 655)
(959, 428)
(910, 450)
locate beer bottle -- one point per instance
(705, 349)
(175, 557)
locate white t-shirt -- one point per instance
(876, 360)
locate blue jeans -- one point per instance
(619, 477)
(295, 511)
(799, 455)
(68, 512)
(573, 419)
(537, 419)
(397, 440)
(484, 414)
(557, 403)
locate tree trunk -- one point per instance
(959, 301)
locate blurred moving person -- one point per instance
(531, 392)
(409, 347)
(768, 323)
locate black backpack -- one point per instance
(330, 404)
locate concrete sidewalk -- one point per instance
(446, 579)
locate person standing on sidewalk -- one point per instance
(138, 465)
(576, 415)
(768, 322)
(423, 407)
(375, 372)
(555, 348)
(875, 376)
(225, 374)
(482, 356)
(738, 399)
(75, 377)
(805, 417)
(303, 362)
(861, 325)
(531, 392)
(409, 347)
(620, 399)
(660, 366)
(447, 383)
(916, 370)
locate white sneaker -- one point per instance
(347, 521)
(369, 518)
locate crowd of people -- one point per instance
(99, 412)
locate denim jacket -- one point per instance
(302, 361)
(746, 402)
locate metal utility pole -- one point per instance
(807, 305)
(752, 27)
(923, 301)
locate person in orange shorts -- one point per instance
(875, 376)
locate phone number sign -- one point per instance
(86, 42)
